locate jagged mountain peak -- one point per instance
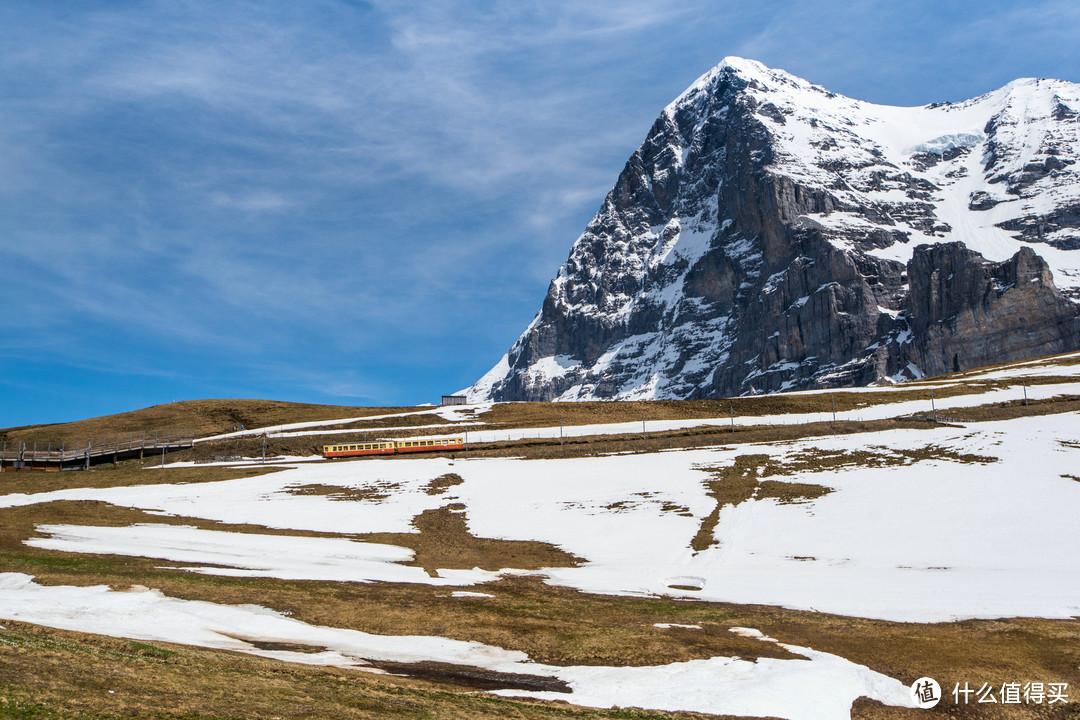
(761, 237)
(748, 72)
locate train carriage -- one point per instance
(405, 446)
(351, 449)
(391, 447)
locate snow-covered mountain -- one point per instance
(771, 235)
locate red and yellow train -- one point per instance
(391, 447)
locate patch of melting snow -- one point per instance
(235, 554)
(752, 633)
(822, 689)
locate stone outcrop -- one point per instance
(967, 311)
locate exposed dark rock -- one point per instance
(1036, 228)
(966, 311)
(981, 200)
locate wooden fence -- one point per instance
(19, 455)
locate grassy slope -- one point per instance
(205, 417)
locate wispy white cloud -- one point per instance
(256, 201)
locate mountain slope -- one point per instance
(772, 235)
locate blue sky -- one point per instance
(363, 202)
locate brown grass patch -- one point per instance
(126, 474)
(444, 541)
(376, 492)
(439, 485)
(1014, 409)
(814, 460)
(790, 493)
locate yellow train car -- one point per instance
(405, 446)
(391, 447)
(351, 449)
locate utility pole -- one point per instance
(643, 425)
(1025, 392)
(731, 408)
(933, 409)
(833, 409)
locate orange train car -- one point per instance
(391, 447)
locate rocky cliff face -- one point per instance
(966, 311)
(770, 235)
